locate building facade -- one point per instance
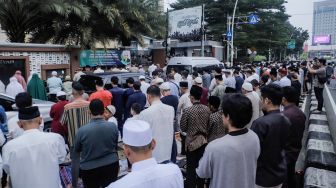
(324, 23)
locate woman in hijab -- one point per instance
(36, 88)
(20, 79)
(14, 87)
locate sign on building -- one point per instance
(105, 58)
(186, 23)
(321, 39)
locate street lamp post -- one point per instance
(232, 28)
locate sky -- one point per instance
(301, 12)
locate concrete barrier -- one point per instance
(329, 96)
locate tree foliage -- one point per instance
(80, 22)
(272, 32)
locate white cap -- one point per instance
(142, 77)
(137, 133)
(54, 73)
(247, 86)
(159, 80)
(61, 93)
(112, 109)
(198, 80)
(165, 86)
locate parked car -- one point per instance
(191, 64)
(88, 81)
(8, 102)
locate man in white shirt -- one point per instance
(161, 119)
(177, 76)
(144, 84)
(78, 75)
(151, 68)
(284, 81)
(247, 90)
(54, 83)
(184, 101)
(230, 81)
(146, 172)
(32, 160)
(213, 84)
(98, 70)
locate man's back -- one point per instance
(32, 160)
(272, 130)
(161, 119)
(231, 161)
(171, 100)
(149, 174)
(118, 101)
(54, 84)
(97, 141)
(256, 107)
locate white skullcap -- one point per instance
(112, 109)
(247, 86)
(61, 93)
(198, 80)
(159, 80)
(137, 133)
(54, 73)
(165, 86)
(142, 77)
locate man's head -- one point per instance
(290, 95)
(29, 118)
(130, 82)
(153, 93)
(97, 107)
(172, 71)
(321, 62)
(142, 78)
(184, 87)
(99, 84)
(237, 111)
(87, 68)
(165, 89)
(247, 88)
(184, 74)
(155, 74)
(77, 89)
(54, 73)
(137, 86)
(109, 111)
(135, 109)
(138, 140)
(61, 96)
(214, 103)
(194, 75)
(195, 94)
(271, 97)
(282, 72)
(18, 72)
(23, 100)
(114, 80)
(198, 81)
(273, 74)
(264, 79)
(218, 71)
(255, 84)
(219, 79)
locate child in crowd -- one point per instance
(109, 114)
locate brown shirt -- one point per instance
(194, 122)
(216, 126)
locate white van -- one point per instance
(192, 64)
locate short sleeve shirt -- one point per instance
(320, 73)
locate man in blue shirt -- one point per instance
(118, 101)
(95, 150)
(3, 120)
(136, 97)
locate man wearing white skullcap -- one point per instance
(146, 172)
(54, 83)
(247, 90)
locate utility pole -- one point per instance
(228, 26)
(167, 32)
(232, 31)
(202, 32)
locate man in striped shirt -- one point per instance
(76, 113)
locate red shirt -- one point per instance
(204, 97)
(104, 95)
(56, 113)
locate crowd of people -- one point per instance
(238, 127)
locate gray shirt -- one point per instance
(321, 73)
(231, 161)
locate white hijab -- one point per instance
(14, 87)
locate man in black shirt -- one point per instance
(272, 130)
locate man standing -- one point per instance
(239, 81)
(118, 102)
(136, 97)
(20, 79)
(144, 84)
(206, 77)
(204, 98)
(184, 101)
(67, 85)
(54, 83)
(231, 161)
(78, 75)
(98, 70)
(176, 75)
(293, 145)
(247, 90)
(95, 150)
(272, 130)
(34, 154)
(56, 113)
(230, 81)
(219, 90)
(151, 68)
(146, 172)
(319, 81)
(194, 122)
(76, 113)
(174, 88)
(216, 126)
(101, 93)
(284, 81)
(218, 71)
(161, 119)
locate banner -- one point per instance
(186, 24)
(321, 39)
(105, 58)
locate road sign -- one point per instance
(253, 19)
(291, 44)
(229, 34)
